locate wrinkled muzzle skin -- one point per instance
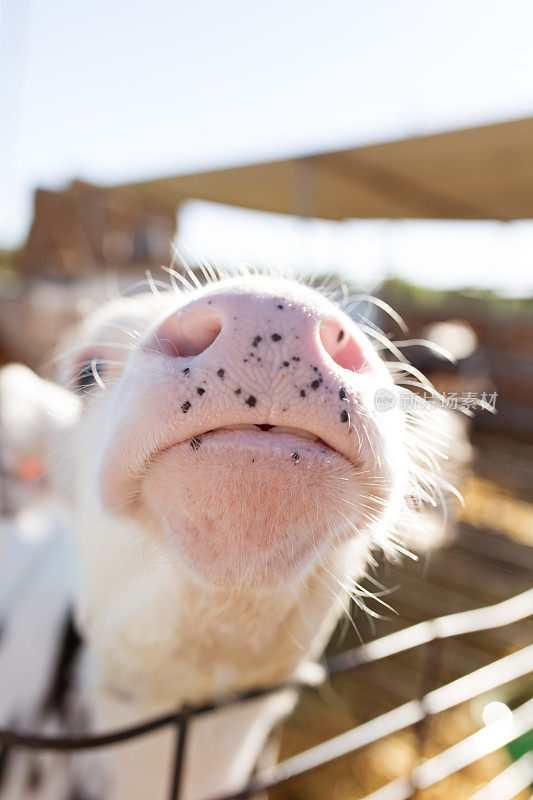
(232, 477)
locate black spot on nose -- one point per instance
(200, 390)
(295, 457)
(238, 391)
(344, 416)
(276, 337)
(186, 371)
(342, 393)
(280, 306)
(220, 373)
(256, 340)
(315, 384)
(251, 401)
(285, 363)
(185, 407)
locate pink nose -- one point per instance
(254, 329)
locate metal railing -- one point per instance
(469, 750)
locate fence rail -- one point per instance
(484, 741)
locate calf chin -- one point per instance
(240, 512)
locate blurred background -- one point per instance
(389, 145)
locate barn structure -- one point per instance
(476, 173)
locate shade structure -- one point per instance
(476, 173)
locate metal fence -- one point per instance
(432, 701)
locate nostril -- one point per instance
(341, 345)
(186, 334)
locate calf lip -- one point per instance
(121, 479)
(267, 443)
(273, 430)
(128, 497)
(264, 432)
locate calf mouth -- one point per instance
(276, 431)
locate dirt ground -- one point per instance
(490, 559)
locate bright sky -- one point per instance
(488, 255)
(114, 90)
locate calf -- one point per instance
(241, 451)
